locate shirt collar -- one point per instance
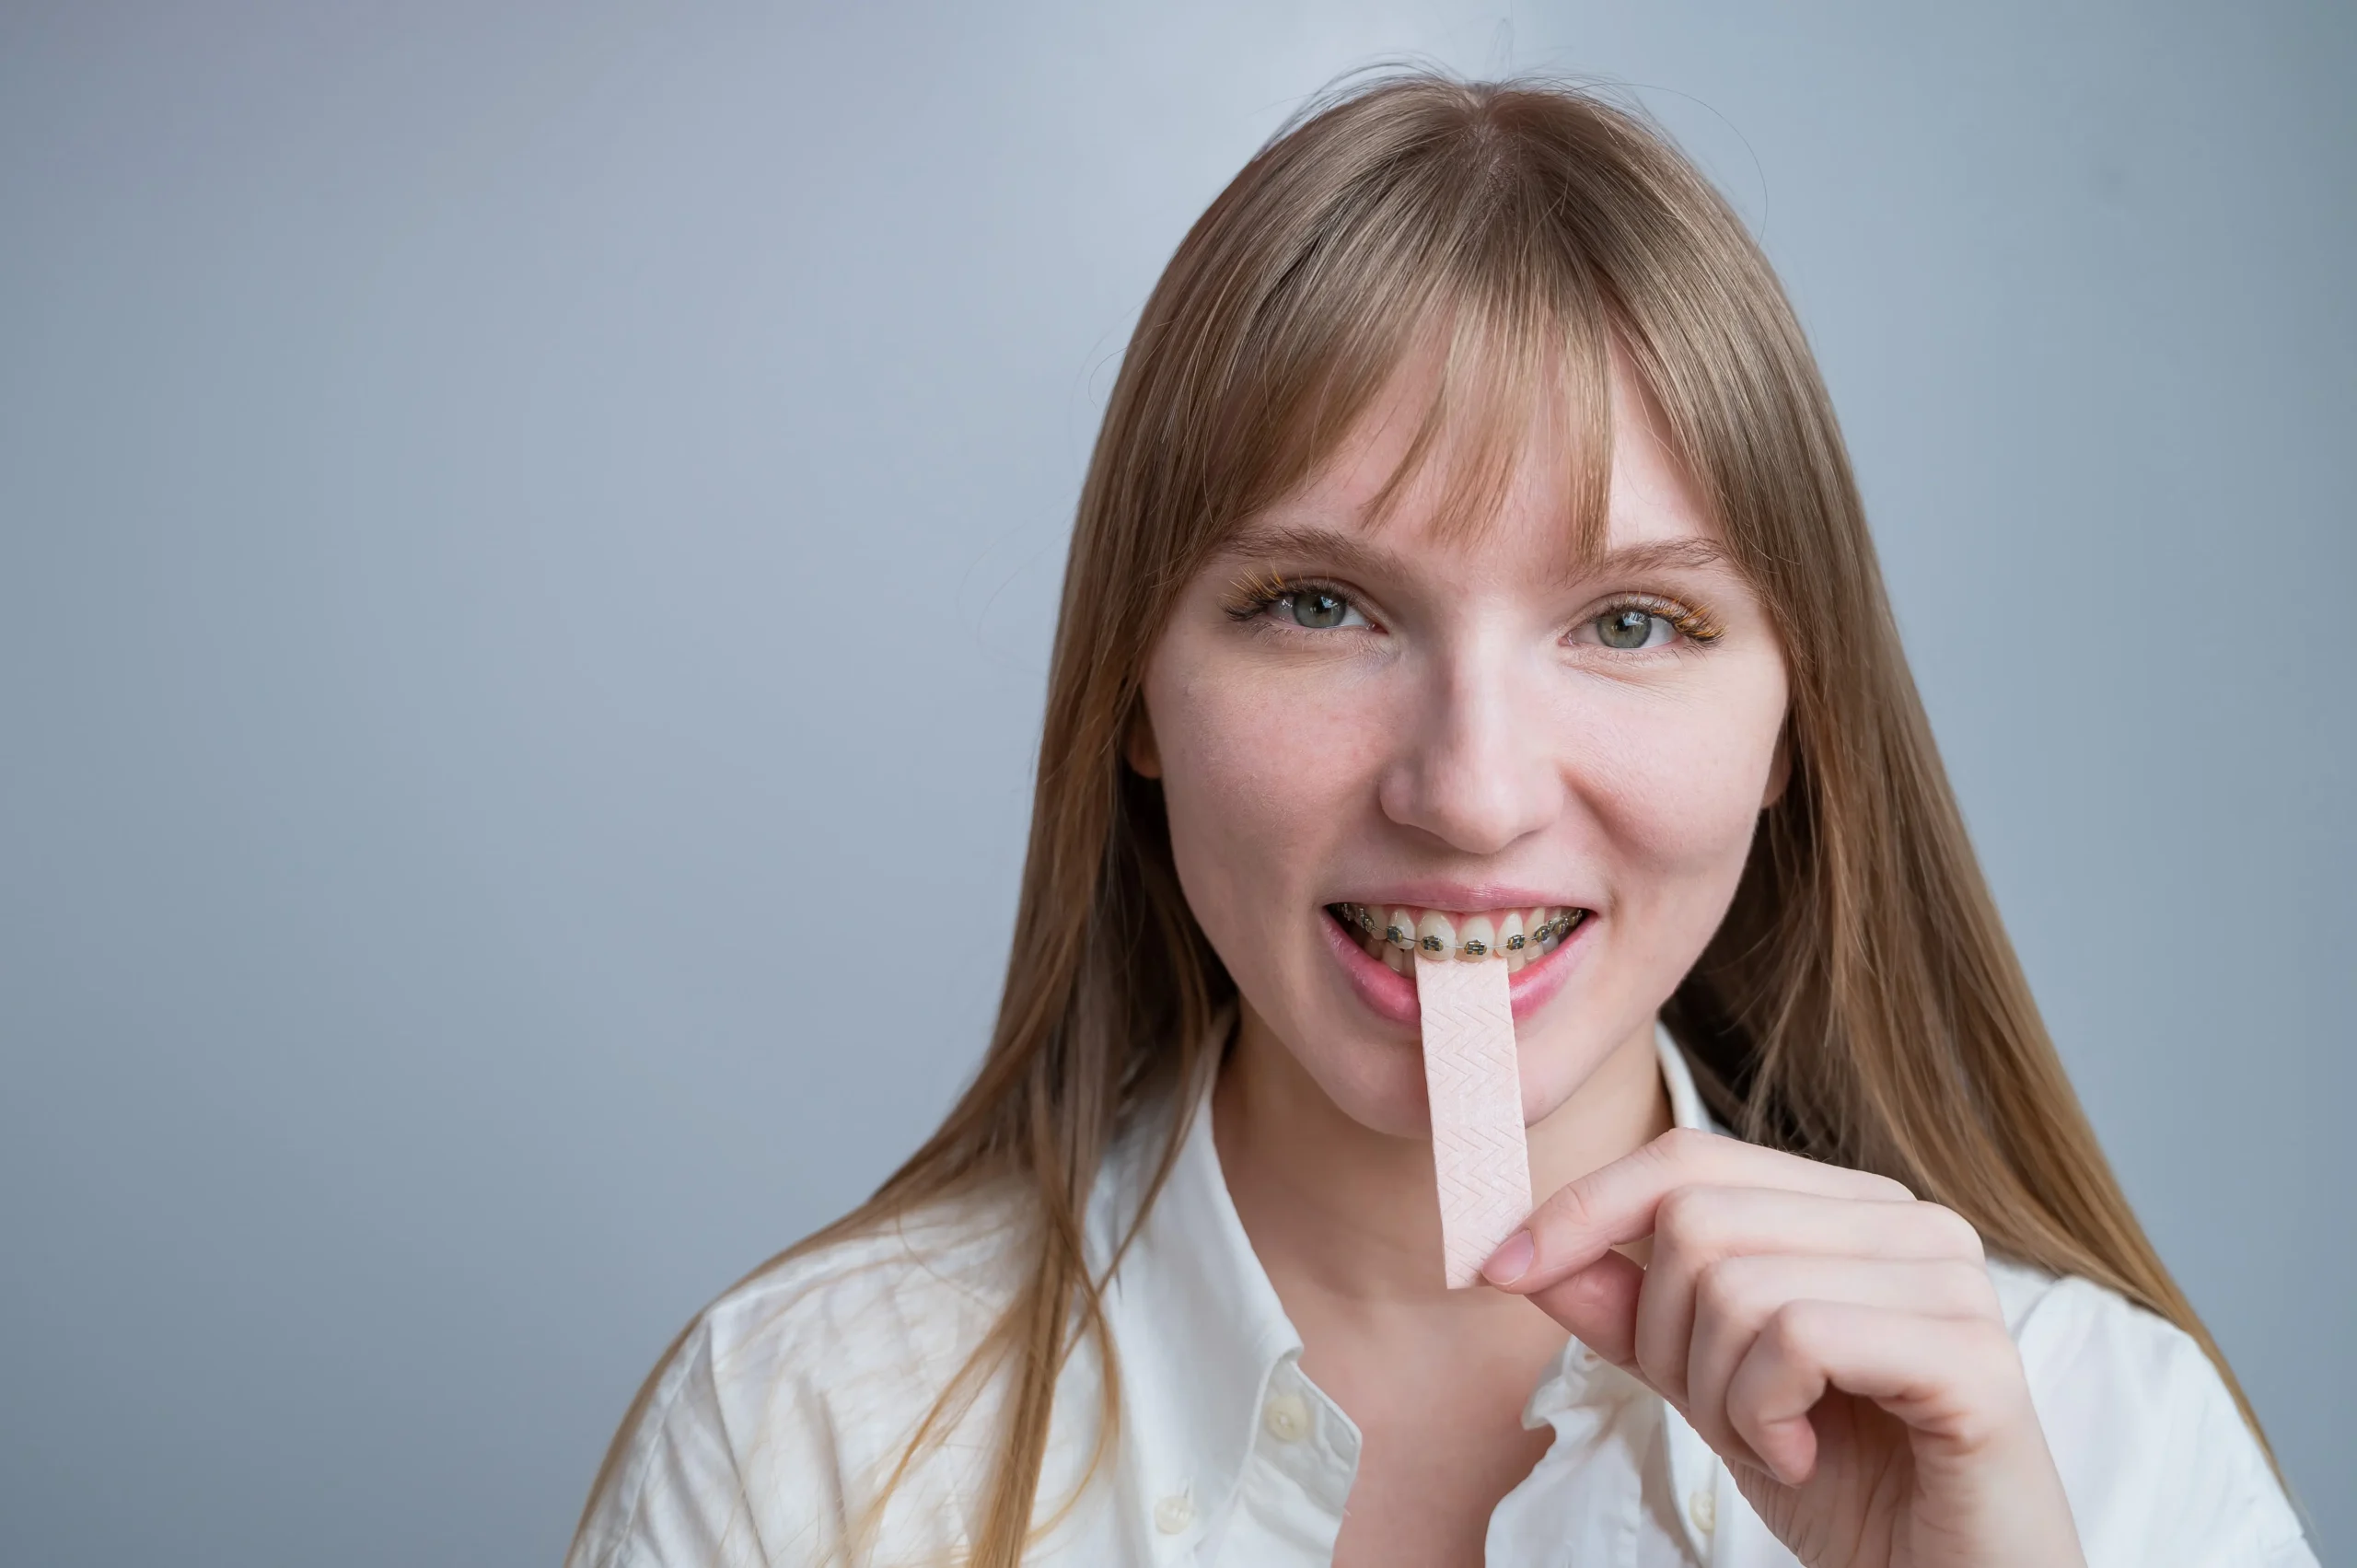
(1198, 1327)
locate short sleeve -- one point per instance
(2160, 1469)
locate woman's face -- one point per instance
(1350, 714)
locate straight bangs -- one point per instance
(1490, 259)
(1439, 276)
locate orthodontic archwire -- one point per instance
(1367, 921)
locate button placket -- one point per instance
(1305, 1440)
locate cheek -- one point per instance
(1675, 789)
(1255, 780)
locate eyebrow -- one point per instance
(1691, 553)
(1349, 553)
(1271, 543)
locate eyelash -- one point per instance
(1255, 595)
(1694, 623)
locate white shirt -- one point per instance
(793, 1397)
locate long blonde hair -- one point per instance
(1861, 1003)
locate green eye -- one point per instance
(1629, 628)
(1317, 608)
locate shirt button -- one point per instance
(1703, 1509)
(1286, 1416)
(1173, 1512)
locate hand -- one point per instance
(1838, 1342)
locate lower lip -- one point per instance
(1390, 994)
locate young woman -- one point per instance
(1470, 535)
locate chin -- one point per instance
(1375, 1081)
(1553, 1074)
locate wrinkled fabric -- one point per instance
(787, 1413)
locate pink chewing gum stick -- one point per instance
(1479, 1155)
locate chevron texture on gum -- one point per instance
(1479, 1155)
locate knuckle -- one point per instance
(1691, 1219)
(1954, 1232)
(1586, 1290)
(1731, 1289)
(1682, 1143)
(1963, 1283)
(1570, 1210)
(1993, 1350)
(1983, 1367)
(1660, 1162)
(1888, 1188)
(1791, 1329)
(1676, 1211)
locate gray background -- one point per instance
(528, 542)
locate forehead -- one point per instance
(1508, 493)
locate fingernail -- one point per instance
(1510, 1262)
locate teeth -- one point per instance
(1399, 935)
(1511, 940)
(1559, 924)
(1479, 939)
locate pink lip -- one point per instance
(1466, 897)
(1392, 995)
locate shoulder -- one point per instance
(2157, 1459)
(792, 1400)
(870, 1316)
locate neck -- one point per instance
(1338, 1209)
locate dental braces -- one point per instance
(1546, 933)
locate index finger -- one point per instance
(1615, 1205)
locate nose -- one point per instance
(1470, 769)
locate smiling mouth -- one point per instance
(1397, 935)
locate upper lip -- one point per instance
(1463, 898)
